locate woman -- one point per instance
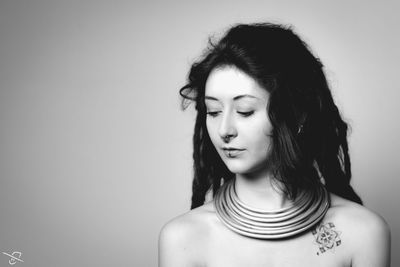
(271, 146)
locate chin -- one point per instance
(238, 168)
(242, 168)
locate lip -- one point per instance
(232, 152)
(231, 148)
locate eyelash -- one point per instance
(244, 114)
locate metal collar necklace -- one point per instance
(306, 211)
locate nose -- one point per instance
(227, 129)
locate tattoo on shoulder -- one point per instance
(326, 237)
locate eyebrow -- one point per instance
(234, 99)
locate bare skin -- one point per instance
(349, 235)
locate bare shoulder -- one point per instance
(365, 233)
(181, 238)
(193, 222)
(355, 216)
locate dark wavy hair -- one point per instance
(309, 137)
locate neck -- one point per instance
(259, 192)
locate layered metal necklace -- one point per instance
(306, 211)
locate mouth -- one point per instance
(232, 152)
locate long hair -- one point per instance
(309, 136)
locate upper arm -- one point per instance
(372, 245)
(173, 250)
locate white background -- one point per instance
(95, 153)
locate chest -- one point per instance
(230, 249)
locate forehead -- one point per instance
(227, 82)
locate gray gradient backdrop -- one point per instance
(95, 154)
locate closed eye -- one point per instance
(212, 113)
(246, 114)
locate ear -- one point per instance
(301, 123)
(303, 118)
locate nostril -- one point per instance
(227, 138)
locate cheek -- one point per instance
(261, 141)
(259, 129)
(259, 138)
(211, 130)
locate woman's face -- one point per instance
(237, 118)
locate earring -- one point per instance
(300, 129)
